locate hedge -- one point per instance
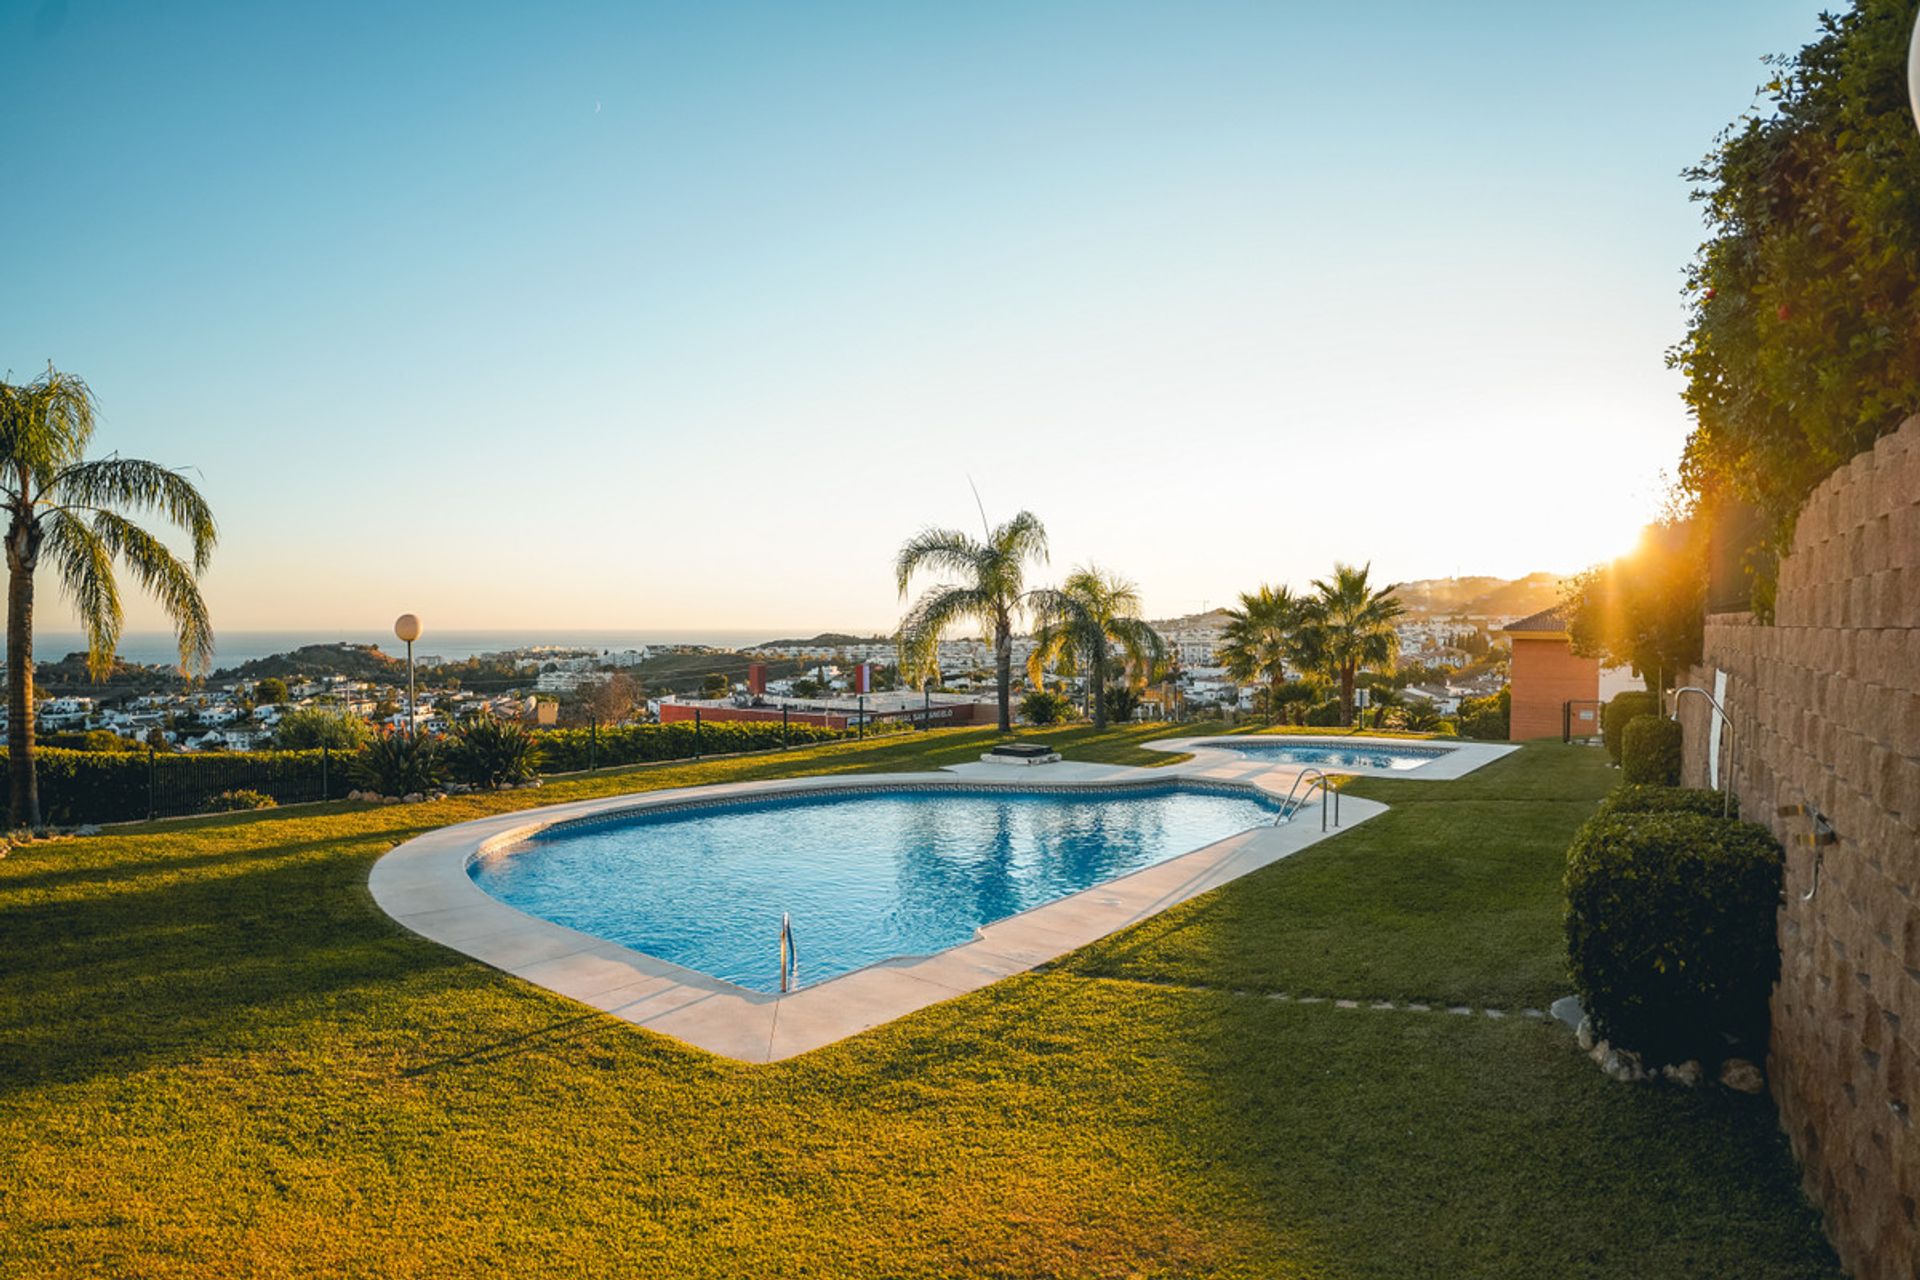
(1621, 708)
(1488, 719)
(1650, 751)
(126, 786)
(1671, 933)
(568, 750)
(1651, 799)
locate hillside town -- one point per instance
(834, 680)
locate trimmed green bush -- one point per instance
(125, 786)
(1488, 719)
(1650, 751)
(568, 750)
(238, 800)
(1670, 931)
(1621, 708)
(1323, 715)
(1646, 799)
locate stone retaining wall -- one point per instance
(1825, 711)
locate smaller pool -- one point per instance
(1399, 757)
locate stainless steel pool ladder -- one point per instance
(789, 956)
(1292, 804)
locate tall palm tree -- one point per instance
(1262, 637)
(74, 514)
(1350, 626)
(1082, 624)
(992, 592)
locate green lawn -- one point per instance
(1452, 895)
(217, 1057)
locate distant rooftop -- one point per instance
(1548, 620)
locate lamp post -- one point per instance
(1913, 72)
(407, 628)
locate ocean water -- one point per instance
(234, 647)
(864, 877)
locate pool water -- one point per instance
(1326, 756)
(864, 876)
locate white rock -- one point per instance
(1739, 1074)
(1623, 1065)
(414, 797)
(1584, 1034)
(1686, 1074)
(86, 829)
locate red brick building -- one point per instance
(1547, 680)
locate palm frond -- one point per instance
(939, 609)
(134, 484)
(1021, 539)
(162, 575)
(44, 426)
(84, 561)
(947, 550)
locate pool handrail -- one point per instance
(1291, 806)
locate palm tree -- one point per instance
(74, 514)
(993, 591)
(1080, 626)
(1261, 638)
(1350, 626)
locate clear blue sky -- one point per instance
(679, 315)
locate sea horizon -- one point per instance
(155, 648)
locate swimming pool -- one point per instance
(1399, 757)
(865, 875)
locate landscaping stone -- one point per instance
(1743, 1076)
(1583, 1034)
(1687, 1074)
(87, 829)
(1623, 1065)
(1568, 1010)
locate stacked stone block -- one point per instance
(1825, 705)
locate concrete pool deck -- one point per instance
(424, 884)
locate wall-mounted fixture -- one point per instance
(1817, 839)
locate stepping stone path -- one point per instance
(1412, 1006)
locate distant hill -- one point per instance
(354, 661)
(1481, 596)
(825, 640)
(1211, 618)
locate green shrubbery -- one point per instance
(1043, 707)
(486, 752)
(1323, 715)
(1651, 799)
(1488, 719)
(126, 786)
(1650, 751)
(1670, 931)
(238, 800)
(568, 750)
(312, 727)
(1620, 709)
(400, 764)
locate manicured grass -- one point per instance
(218, 1058)
(1453, 895)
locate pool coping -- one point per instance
(424, 885)
(1460, 756)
